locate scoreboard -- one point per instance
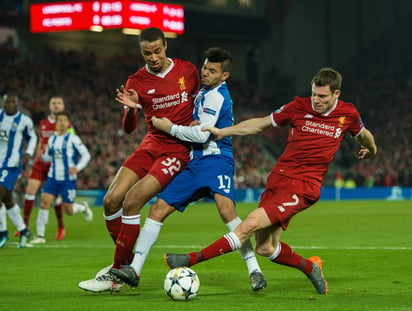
(86, 15)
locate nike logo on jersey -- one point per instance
(151, 91)
(308, 116)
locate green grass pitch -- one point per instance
(366, 247)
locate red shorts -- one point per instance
(284, 197)
(39, 170)
(161, 160)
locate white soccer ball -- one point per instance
(181, 284)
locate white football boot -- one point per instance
(102, 282)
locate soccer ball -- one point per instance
(181, 284)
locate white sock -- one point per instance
(29, 197)
(78, 208)
(118, 214)
(15, 217)
(276, 252)
(58, 201)
(246, 251)
(147, 238)
(41, 222)
(233, 240)
(131, 220)
(3, 219)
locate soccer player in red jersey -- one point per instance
(164, 87)
(39, 169)
(317, 126)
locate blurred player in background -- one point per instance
(68, 156)
(317, 126)
(164, 87)
(16, 131)
(208, 174)
(40, 168)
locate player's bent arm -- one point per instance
(367, 141)
(187, 133)
(32, 139)
(129, 121)
(84, 156)
(192, 134)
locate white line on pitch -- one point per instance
(384, 248)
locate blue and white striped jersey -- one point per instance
(14, 130)
(65, 151)
(213, 107)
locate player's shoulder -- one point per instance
(26, 117)
(346, 107)
(180, 63)
(302, 100)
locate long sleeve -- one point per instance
(84, 155)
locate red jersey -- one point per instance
(46, 130)
(169, 94)
(313, 138)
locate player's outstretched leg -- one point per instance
(126, 274)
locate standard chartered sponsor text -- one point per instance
(166, 101)
(319, 128)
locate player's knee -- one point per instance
(264, 250)
(250, 224)
(111, 204)
(160, 210)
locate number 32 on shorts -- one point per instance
(172, 166)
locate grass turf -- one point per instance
(366, 247)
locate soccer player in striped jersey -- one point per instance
(68, 156)
(208, 174)
(40, 168)
(317, 126)
(16, 131)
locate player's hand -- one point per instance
(364, 154)
(162, 123)
(194, 123)
(214, 131)
(25, 159)
(73, 170)
(128, 97)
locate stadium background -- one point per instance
(277, 47)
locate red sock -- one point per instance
(288, 257)
(113, 226)
(27, 208)
(219, 247)
(124, 244)
(59, 215)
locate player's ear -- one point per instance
(225, 76)
(165, 46)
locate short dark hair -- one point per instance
(63, 113)
(219, 55)
(328, 76)
(151, 34)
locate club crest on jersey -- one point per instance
(182, 83)
(341, 121)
